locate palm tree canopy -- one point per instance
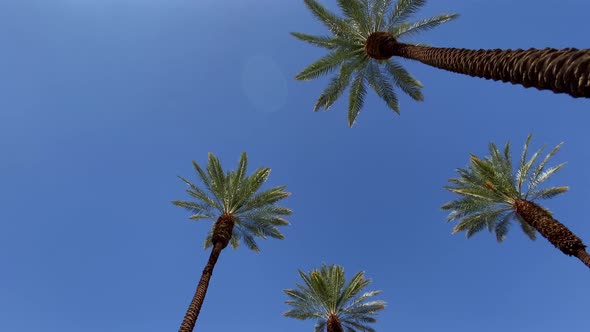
(347, 43)
(238, 195)
(489, 189)
(324, 293)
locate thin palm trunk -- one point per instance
(222, 233)
(190, 318)
(551, 229)
(561, 71)
(333, 324)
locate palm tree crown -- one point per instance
(325, 297)
(490, 191)
(351, 50)
(236, 195)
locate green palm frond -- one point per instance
(337, 25)
(356, 98)
(382, 87)
(404, 80)
(336, 87)
(526, 228)
(488, 189)
(324, 292)
(346, 44)
(235, 193)
(378, 11)
(404, 9)
(325, 65)
(356, 12)
(407, 29)
(323, 41)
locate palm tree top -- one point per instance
(237, 195)
(351, 52)
(489, 190)
(325, 294)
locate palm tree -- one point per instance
(363, 42)
(492, 196)
(336, 306)
(242, 212)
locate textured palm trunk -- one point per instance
(222, 232)
(333, 324)
(551, 229)
(561, 71)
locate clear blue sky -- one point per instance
(103, 103)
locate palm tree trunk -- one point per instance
(190, 318)
(334, 324)
(561, 71)
(551, 229)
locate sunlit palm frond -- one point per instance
(337, 25)
(407, 29)
(404, 9)
(378, 12)
(356, 12)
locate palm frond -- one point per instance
(382, 87)
(202, 176)
(537, 180)
(337, 25)
(407, 29)
(218, 180)
(548, 192)
(539, 169)
(521, 177)
(320, 326)
(403, 9)
(378, 12)
(324, 65)
(357, 13)
(356, 284)
(336, 87)
(502, 170)
(353, 325)
(464, 206)
(526, 228)
(503, 226)
(475, 223)
(356, 97)
(323, 41)
(200, 211)
(266, 197)
(404, 80)
(201, 195)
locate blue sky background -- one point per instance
(104, 103)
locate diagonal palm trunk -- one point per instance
(333, 324)
(222, 233)
(561, 71)
(190, 318)
(554, 231)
